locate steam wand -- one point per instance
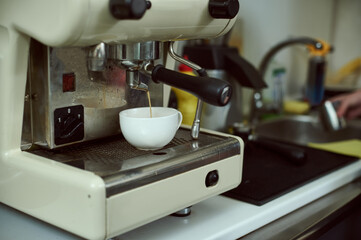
(201, 71)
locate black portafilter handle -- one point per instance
(211, 90)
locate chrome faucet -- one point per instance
(316, 73)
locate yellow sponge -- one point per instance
(351, 147)
(296, 107)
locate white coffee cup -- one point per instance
(149, 133)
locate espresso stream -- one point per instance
(150, 104)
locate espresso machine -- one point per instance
(67, 69)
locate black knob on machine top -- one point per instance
(226, 9)
(135, 9)
(128, 9)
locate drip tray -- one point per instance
(268, 175)
(124, 167)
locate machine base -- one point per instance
(104, 187)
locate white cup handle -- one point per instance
(180, 118)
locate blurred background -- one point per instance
(262, 24)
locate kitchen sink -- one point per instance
(303, 129)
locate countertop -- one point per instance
(216, 218)
(225, 218)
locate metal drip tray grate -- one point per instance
(124, 167)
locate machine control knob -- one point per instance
(226, 9)
(212, 178)
(128, 9)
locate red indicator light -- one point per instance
(69, 82)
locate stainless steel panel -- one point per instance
(103, 94)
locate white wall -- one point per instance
(347, 36)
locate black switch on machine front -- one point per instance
(68, 124)
(212, 178)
